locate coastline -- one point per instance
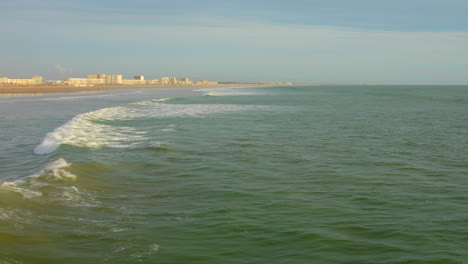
(38, 90)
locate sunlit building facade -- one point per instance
(33, 81)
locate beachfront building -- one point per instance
(100, 79)
(184, 81)
(96, 76)
(165, 80)
(33, 81)
(113, 79)
(176, 81)
(137, 80)
(107, 79)
(133, 82)
(153, 82)
(84, 82)
(55, 82)
(205, 82)
(172, 80)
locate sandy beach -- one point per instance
(41, 89)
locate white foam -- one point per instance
(58, 164)
(88, 130)
(56, 171)
(154, 248)
(118, 229)
(152, 101)
(54, 138)
(24, 192)
(29, 187)
(51, 185)
(82, 131)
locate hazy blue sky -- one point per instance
(315, 41)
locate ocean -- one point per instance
(286, 174)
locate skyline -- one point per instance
(421, 42)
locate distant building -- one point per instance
(33, 81)
(172, 80)
(134, 82)
(204, 82)
(175, 81)
(84, 82)
(183, 81)
(165, 80)
(100, 79)
(114, 79)
(151, 82)
(96, 76)
(56, 82)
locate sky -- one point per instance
(301, 41)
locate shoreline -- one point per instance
(38, 90)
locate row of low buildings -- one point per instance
(33, 81)
(103, 79)
(275, 83)
(95, 79)
(185, 81)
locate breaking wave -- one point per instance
(84, 132)
(98, 129)
(53, 184)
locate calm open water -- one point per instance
(319, 174)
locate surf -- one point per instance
(100, 128)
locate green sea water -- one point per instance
(296, 174)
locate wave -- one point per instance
(54, 171)
(51, 185)
(29, 200)
(82, 131)
(149, 102)
(99, 128)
